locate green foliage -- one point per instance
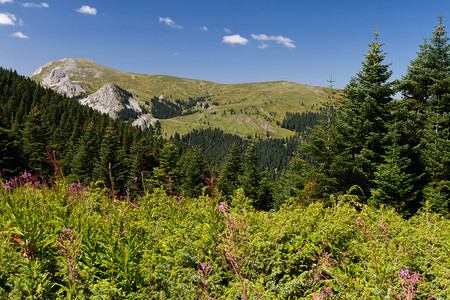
(231, 169)
(364, 116)
(90, 245)
(301, 122)
(10, 152)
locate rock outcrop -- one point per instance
(111, 99)
(58, 79)
(144, 121)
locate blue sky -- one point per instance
(226, 41)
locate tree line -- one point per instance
(386, 151)
(395, 151)
(91, 148)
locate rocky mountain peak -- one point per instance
(58, 78)
(111, 99)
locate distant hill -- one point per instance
(181, 104)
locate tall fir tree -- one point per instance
(35, 142)
(168, 173)
(11, 158)
(324, 149)
(193, 167)
(393, 185)
(230, 171)
(142, 158)
(292, 183)
(426, 96)
(108, 166)
(364, 117)
(250, 180)
(83, 162)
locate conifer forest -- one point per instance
(354, 205)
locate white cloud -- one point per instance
(169, 22)
(204, 28)
(176, 53)
(6, 1)
(234, 39)
(20, 35)
(263, 46)
(30, 4)
(227, 30)
(7, 19)
(86, 9)
(287, 42)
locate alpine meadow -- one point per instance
(124, 185)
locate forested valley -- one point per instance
(355, 205)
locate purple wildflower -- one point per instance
(221, 206)
(404, 273)
(415, 277)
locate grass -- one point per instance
(257, 106)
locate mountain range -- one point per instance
(181, 104)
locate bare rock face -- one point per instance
(144, 121)
(111, 99)
(58, 79)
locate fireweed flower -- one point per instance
(404, 273)
(415, 277)
(221, 206)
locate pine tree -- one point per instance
(364, 117)
(194, 165)
(250, 180)
(325, 150)
(86, 153)
(142, 158)
(426, 92)
(393, 186)
(35, 141)
(427, 79)
(11, 160)
(168, 173)
(291, 183)
(230, 171)
(106, 165)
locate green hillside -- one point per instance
(247, 108)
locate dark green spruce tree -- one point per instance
(426, 93)
(109, 167)
(230, 171)
(250, 180)
(324, 149)
(364, 118)
(11, 158)
(194, 165)
(292, 183)
(83, 162)
(35, 142)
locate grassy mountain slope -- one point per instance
(242, 109)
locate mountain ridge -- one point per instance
(241, 108)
